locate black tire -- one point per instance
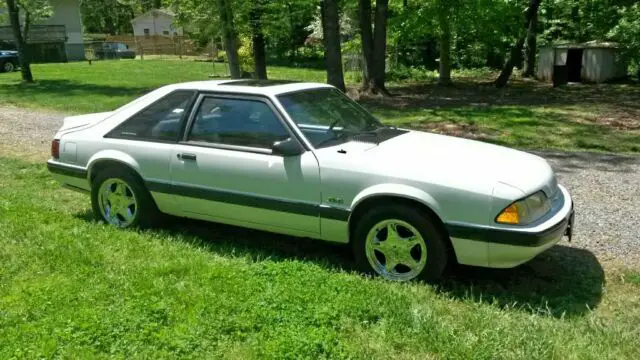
(147, 213)
(2, 66)
(437, 257)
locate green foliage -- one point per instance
(411, 73)
(245, 52)
(627, 32)
(38, 10)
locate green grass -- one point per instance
(526, 115)
(539, 127)
(105, 85)
(72, 288)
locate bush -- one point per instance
(415, 73)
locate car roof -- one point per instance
(249, 86)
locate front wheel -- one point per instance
(8, 67)
(120, 199)
(399, 243)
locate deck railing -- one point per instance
(38, 34)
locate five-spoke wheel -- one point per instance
(119, 198)
(399, 243)
(118, 205)
(396, 250)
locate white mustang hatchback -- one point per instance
(303, 159)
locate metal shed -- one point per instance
(593, 62)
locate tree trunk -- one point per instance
(332, 47)
(380, 46)
(258, 43)
(23, 55)
(229, 36)
(530, 50)
(366, 35)
(516, 51)
(444, 77)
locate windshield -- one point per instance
(327, 117)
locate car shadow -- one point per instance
(562, 282)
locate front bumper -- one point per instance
(505, 248)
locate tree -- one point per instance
(331, 37)
(374, 45)
(444, 18)
(112, 17)
(229, 36)
(380, 46)
(257, 40)
(530, 49)
(34, 10)
(366, 37)
(516, 51)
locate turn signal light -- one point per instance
(509, 215)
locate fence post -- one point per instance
(155, 45)
(140, 49)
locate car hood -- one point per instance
(455, 162)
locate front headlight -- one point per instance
(525, 211)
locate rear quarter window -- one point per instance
(160, 121)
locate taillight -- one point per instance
(55, 149)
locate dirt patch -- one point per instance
(469, 131)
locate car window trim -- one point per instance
(234, 96)
(188, 109)
(249, 149)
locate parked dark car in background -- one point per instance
(9, 60)
(111, 50)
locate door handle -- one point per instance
(187, 156)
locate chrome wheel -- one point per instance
(117, 202)
(396, 250)
(8, 66)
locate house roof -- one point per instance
(156, 13)
(594, 44)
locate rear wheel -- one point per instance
(399, 243)
(120, 199)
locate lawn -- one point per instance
(72, 288)
(527, 115)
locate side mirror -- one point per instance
(288, 147)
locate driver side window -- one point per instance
(239, 122)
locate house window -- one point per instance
(166, 33)
(147, 32)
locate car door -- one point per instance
(224, 168)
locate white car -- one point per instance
(305, 160)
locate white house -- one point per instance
(156, 22)
(58, 38)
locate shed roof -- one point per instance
(594, 44)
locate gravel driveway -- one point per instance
(606, 188)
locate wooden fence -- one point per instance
(157, 45)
